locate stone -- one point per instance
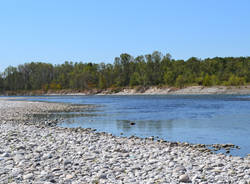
(66, 162)
(55, 169)
(21, 147)
(15, 172)
(43, 173)
(39, 149)
(69, 176)
(28, 176)
(184, 178)
(18, 158)
(171, 164)
(103, 176)
(242, 182)
(6, 154)
(52, 180)
(47, 156)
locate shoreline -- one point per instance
(192, 90)
(41, 152)
(153, 90)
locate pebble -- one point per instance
(66, 162)
(34, 152)
(15, 172)
(184, 178)
(69, 176)
(6, 155)
(28, 176)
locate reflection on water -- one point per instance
(206, 119)
(145, 126)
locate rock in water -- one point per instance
(132, 123)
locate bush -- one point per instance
(236, 81)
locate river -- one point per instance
(205, 119)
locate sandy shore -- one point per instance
(186, 91)
(191, 90)
(40, 152)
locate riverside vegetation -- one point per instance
(148, 70)
(37, 151)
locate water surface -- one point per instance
(206, 119)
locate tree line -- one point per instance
(153, 69)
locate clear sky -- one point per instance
(98, 30)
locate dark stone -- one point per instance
(66, 162)
(53, 181)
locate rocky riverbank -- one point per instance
(36, 151)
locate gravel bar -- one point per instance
(43, 153)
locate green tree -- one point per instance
(1, 83)
(145, 70)
(102, 82)
(207, 81)
(134, 79)
(169, 78)
(215, 80)
(236, 81)
(180, 82)
(125, 62)
(13, 80)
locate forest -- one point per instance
(153, 69)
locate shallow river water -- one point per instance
(205, 119)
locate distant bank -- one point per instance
(191, 90)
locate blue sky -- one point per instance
(98, 30)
